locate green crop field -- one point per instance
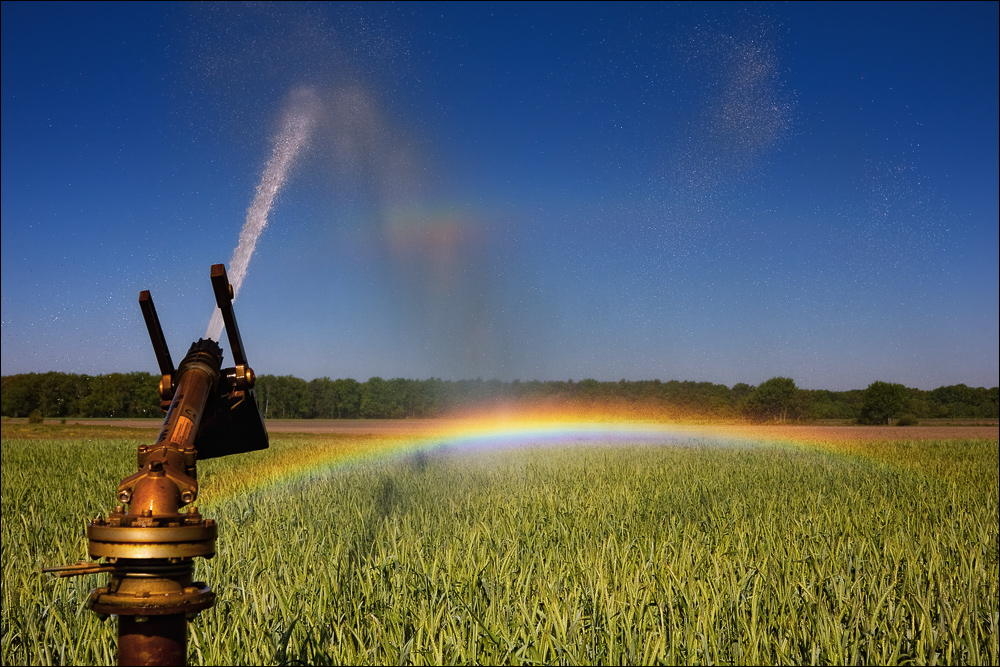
(694, 552)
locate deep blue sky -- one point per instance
(712, 192)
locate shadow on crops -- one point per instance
(389, 498)
(313, 649)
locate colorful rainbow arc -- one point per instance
(494, 433)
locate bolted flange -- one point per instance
(151, 561)
(130, 537)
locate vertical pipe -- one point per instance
(163, 484)
(152, 640)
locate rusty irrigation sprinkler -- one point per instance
(149, 547)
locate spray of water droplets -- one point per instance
(300, 116)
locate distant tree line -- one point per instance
(70, 395)
(286, 397)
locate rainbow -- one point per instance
(305, 459)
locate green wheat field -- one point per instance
(339, 549)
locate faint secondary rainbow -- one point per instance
(318, 456)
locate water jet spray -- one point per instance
(299, 118)
(149, 547)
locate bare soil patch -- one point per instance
(426, 427)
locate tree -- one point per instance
(881, 401)
(376, 402)
(777, 399)
(323, 394)
(348, 398)
(19, 395)
(283, 397)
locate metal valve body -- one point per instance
(149, 548)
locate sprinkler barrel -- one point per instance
(149, 546)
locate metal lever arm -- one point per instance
(155, 333)
(224, 300)
(79, 568)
